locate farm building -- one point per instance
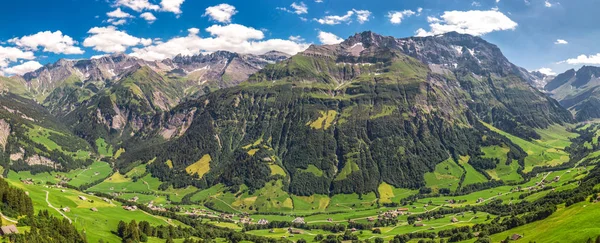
(298, 220)
(454, 220)
(418, 224)
(82, 198)
(263, 222)
(516, 237)
(94, 209)
(9, 229)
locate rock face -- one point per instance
(344, 118)
(41, 160)
(4, 133)
(578, 91)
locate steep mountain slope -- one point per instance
(345, 118)
(578, 91)
(32, 139)
(119, 112)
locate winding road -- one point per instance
(58, 210)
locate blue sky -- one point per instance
(37, 32)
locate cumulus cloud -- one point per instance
(110, 40)
(173, 6)
(117, 21)
(474, 22)
(296, 38)
(335, 19)
(148, 17)
(362, 15)
(137, 5)
(232, 37)
(561, 42)
(396, 17)
(548, 4)
(23, 68)
(546, 71)
(119, 14)
(299, 8)
(584, 59)
(221, 13)
(54, 42)
(329, 38)
(13, 54)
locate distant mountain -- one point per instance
(578, 91)
(539, 80)
(344, 118)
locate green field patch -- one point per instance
(276, 170)
(94, 172)
(104, 148)
(576, 223)
(446, 175)
(345, 202)
(472, 176)
(310, 203)
(508, 173)
(324, 121)
(389, 193)
(349, 168)
(314, 170)
(41, 135)
(169, 164)
(119, 152)
(251, 152)
(201, 167)
(547, 151)
(137, 171)
(207, 193)
(386, 110)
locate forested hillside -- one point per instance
(345, 118)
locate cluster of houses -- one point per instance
(130, 208)
(153, 207)
(392, 214)
(27, 181)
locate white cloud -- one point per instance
(296, 38)
(329, 38)
(117, 21)
(561, 42)
(546, 71)
(110, 40)
(362, 15)
(334, 19)
(299, 8)
(148, 17)
(173, 6)
(548, 4)
(233, 37)
(119, 14)
(584, 59)
(476, 4)
(318, 1)
(137, 5)
(473, 22)
(397, 16)
(419, 11)
(221, 13)
(13, 54)
(54, 42)
(23, 68)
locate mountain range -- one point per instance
(332, 119)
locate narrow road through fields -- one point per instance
(8, 219)
(57, 210)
